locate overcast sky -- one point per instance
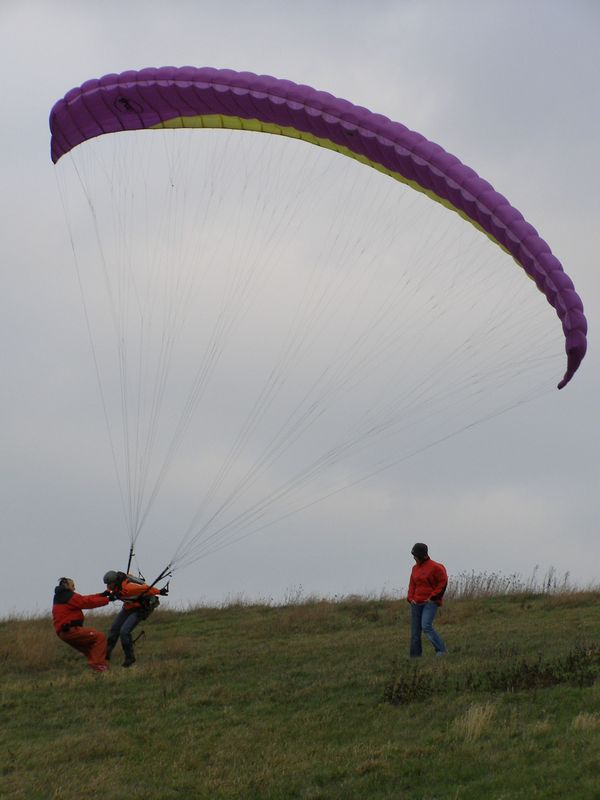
(511, 87)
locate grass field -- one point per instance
(313, 700)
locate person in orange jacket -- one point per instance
(139, 601)
(428, 582)
(67, 616)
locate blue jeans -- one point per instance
(421, 621)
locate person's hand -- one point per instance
(105, 594)
(164, 591)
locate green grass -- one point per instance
(303, 701)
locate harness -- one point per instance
(145, 602)
(148, 602)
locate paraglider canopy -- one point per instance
(171, 97)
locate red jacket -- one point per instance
(67, 607)
(130, 590)
(428, 581)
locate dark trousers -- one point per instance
(122, 627)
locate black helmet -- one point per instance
(420, 550)
(110, 577)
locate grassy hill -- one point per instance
(314, 700)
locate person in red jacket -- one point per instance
(67, 616)
(139, 601)
(428, 582)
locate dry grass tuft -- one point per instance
(474, 722)
(586, 721)
(32, 645)
(540, 728)
(494, 584)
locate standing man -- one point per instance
(139, 601)
(428, 582)
(67, 616)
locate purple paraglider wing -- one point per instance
(190, 97)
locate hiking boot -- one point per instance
(129, 660)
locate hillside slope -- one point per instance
(314, 701)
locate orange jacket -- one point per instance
(428, 581)
(67, 607)
(129, 591)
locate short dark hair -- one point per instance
(420, 550)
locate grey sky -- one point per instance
(509, 87)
